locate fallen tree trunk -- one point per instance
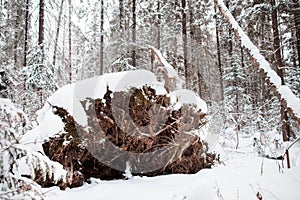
(283, 92)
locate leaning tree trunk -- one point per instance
(288, 99)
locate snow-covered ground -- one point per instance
(241, 175)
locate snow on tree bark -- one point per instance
(288, 98)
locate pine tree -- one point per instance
(15, 157)
(39, 78)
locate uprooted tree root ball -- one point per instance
(136, 126)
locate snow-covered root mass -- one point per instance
(99, 126)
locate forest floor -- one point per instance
(241, 174)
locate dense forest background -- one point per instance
(47, 44)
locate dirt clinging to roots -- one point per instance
(137, 122)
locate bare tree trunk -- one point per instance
(184, 39)
(158, 35)
(63, 53)
(25, 50)
(152, 58)
(278, 62)
(191, 21)
(64, 45)
(230, 37)
(263, 89)
(121, 14)
(193, 69)
(276, 42)
(200, 80)
(102, 38)
(41, 25)
(158, 25)
(70, 42)
(219, 58)
(133, 54)
(230, 55)
(17, 35)
(297, 26)
(26, 33)
(41, 39)
(57, 32)
(294, 58)
(1, 5)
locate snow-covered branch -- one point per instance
(170, 71)
(284, 93)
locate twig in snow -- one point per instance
(219, 192)
(258, 195)
(262, 167)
